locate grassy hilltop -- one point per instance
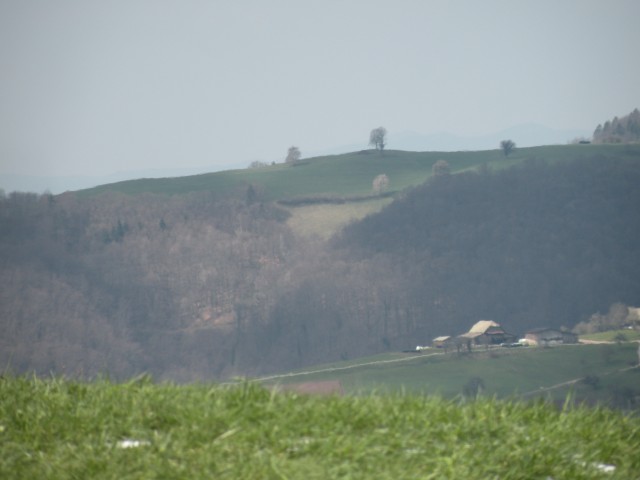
(350, 174)
(347, 178)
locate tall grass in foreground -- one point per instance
(59, 429)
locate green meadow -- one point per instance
(64, 429)
(351, 174)
(520, 373)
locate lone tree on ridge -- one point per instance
(293, 155)
(507, 146)
(377, 138)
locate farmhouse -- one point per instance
(550, 336)
(485, 332)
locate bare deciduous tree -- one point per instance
(507, 146)
(377, 138)
(293, 155)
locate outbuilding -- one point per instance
(440, 342)
(547, 336)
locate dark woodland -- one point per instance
(196, 287)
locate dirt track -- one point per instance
(348, 367)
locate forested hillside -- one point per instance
(122, 285)
(203, 286)
(537, 245)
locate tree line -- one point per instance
(619, 130)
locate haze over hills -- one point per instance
(526, 135)
(58, 184)
(205, 277)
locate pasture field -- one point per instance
(63, 429)
(525, 372)
(351, 174)
(323, 220)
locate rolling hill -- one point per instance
(216, 275)
(350, 175)
(313, 185)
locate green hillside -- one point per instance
(505, 373)
(350, 174)
(347, 177)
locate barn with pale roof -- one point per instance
(486, 332)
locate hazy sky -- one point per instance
(93, 87)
